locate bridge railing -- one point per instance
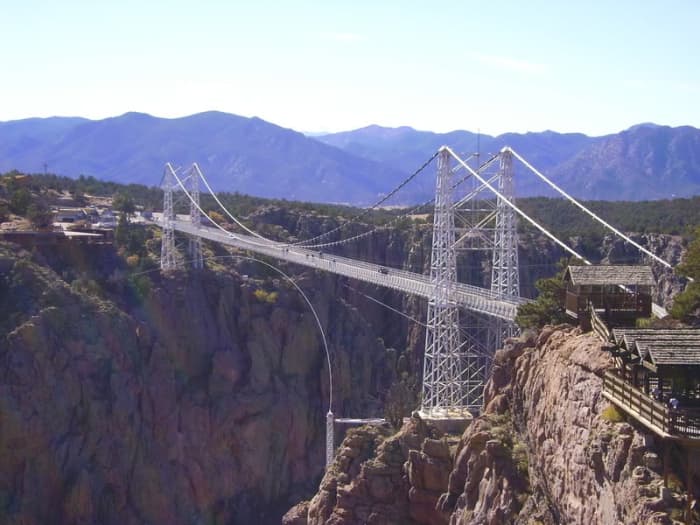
(473, 297)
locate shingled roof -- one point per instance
(601, 275)
(662, 347)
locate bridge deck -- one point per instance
(467, 296)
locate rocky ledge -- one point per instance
(548, 449)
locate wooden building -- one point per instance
(656, 380)
(619, 294)
(663, 363)
(656, 369)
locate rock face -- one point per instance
(670, 248)
(579, 466)
(547, 449)
(200, 401)
(197, 399)
(379, 477)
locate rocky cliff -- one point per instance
(201, 397)
(409, 247)
(192, 398)
(547, 449)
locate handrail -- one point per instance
(469, 296)
(680, 422)
(598, 324)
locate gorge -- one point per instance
(199, 397)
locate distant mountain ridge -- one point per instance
(250, 155)
(236, 153)
(646, 161)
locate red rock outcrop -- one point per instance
(382, 477)
(200, 401)
(544, 451)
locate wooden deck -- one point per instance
(681, 424)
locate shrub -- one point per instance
(19, 201)
(520, 458)
(217, 217)
(400, 400)
(643, 322)
(141, 286)
(39, 215)
(686, 305)
(265, 297)
(674, 483)
(548, 308)
(611, 414)
(85, 286)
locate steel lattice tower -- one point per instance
(168, 260)
(443, 391)
(505, 278)
(455, 372)
(195, 242)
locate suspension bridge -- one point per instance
(474, 209)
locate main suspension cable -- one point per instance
(366, 211)
(587, 211)
(234, 219)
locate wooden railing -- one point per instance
(598, 325)
(681, 422)
(620, 303)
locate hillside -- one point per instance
(247, 155)
(546, 450)
(406, 148)
(644, 162)
(195, 397)
(131, 396)
(252, 156)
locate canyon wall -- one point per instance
(200, 397)
(191, 398)
(548, 449)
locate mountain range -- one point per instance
(250, 155)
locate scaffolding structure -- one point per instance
(443, 375)
(189, 184)
(168, 255)
(505, 275)
(459, 346)
(195, 241)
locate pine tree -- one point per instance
(686, 305)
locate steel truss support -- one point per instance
(456, 367)
(195, 242)
(330, 438)
(478, 356)
(505, 276)
(168, 261)
(443, 366)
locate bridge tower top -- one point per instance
(168, 260)
(443, 391)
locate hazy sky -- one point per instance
(595, 66)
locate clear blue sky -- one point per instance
(596, 67)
